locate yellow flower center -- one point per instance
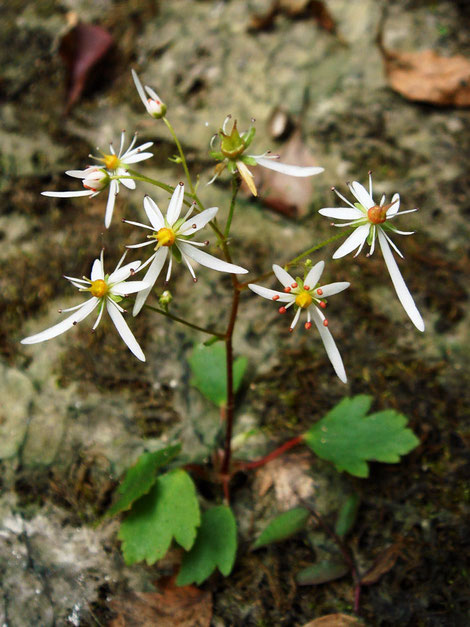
(165, 237)
(111, 162)
(377, 214)
(99, 288)
(303, 300)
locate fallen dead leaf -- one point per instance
(185, 606)
(288, 195)
(383, 564)
(81, 48)
(290, 478)
(428, 77)
(295, 9)
(334, 620)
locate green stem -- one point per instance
(290, 263)
(146, 179)
(236, 181)
(182, 157)
(185, 322)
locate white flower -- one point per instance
(154, 105)
(96, 178)
(231, 154)
(106, 291)
(373, 222)
(307, 295)
(174, 233)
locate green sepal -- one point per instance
(141, 476)
(175, 251)
(231, 146)
(248, 160)
(115, 298)
(370, 237)
(215, 547)
(232, 167)
(247, 136)
(170, 510)
(360, 207)
(217, 155)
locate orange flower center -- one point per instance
(99, 288)
(165, 237)
(377, 214)
(303, 300)
(111, 162)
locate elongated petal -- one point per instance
(129, 183)
(314, 274)
(139, 87)
(399, 284)
(153, 213)
(281, 297)
(247, 176)
(136, 157)
(209, 260)
(329, 344)
(176, 202)
(198, 222)
(150, 277)
(77, 174)
(362, 195)
(97, 270)
(342, 213)
(85, 192)
(355, 240)
(395, 206)
(121, 274)
(334, 288)
(64, 325)
(129, 287)
(124, 331)
(140, 148)
(295, 320)
(113, 191)
(284, 277)
(284, 168)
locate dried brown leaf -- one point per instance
(428, 77)
(81, 48)
(290, 478)
(295, 9)
(185, 606)
(334, 620)
(382, 565)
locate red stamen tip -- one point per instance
(287, 289)
(276, 297)
(325, 322)
(294, 284)
(195, 280)
(308, 325)
(282, 310)
(194, 226)
(323, 304)
(290, 329)
(306, 287)
(319, 291)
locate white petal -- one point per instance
(141, 245)
(153, 94)
(362, 195)
(355, 240)
(314, 274)
(140, 148)
(392, 244)
(209, 260)
(395, 206)
(113, 191)
(129, 183)
(198, 222)
(284, 277)
(64, 325)
(334, 288)
(136, 157)
(329, 344)
(124, 331)
(139, 87)
(97, 270)
(341, 213)
(129, 287)
(290, 170)
(150, 277)
(121, 274)
(267, 293)
(153, 213)
(86, 192)
(100, 315)
(77, 174)
(399, 284)
(176, 202)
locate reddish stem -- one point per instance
(267, 458)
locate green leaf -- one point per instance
(347, 515)
(208, 366)
(283, 526)
(141, 477)
(322, 572)
(349, 438)
(170, 510)
(215, 547)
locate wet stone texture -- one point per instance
(77, 411)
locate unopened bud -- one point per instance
(165, 299)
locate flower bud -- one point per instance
(95, 179)
(165, 299)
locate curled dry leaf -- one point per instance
(186, 606)
(334, 620)
(294, 9)
(382, 565)
(428, 77)
(290, 478)
(81, 48)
